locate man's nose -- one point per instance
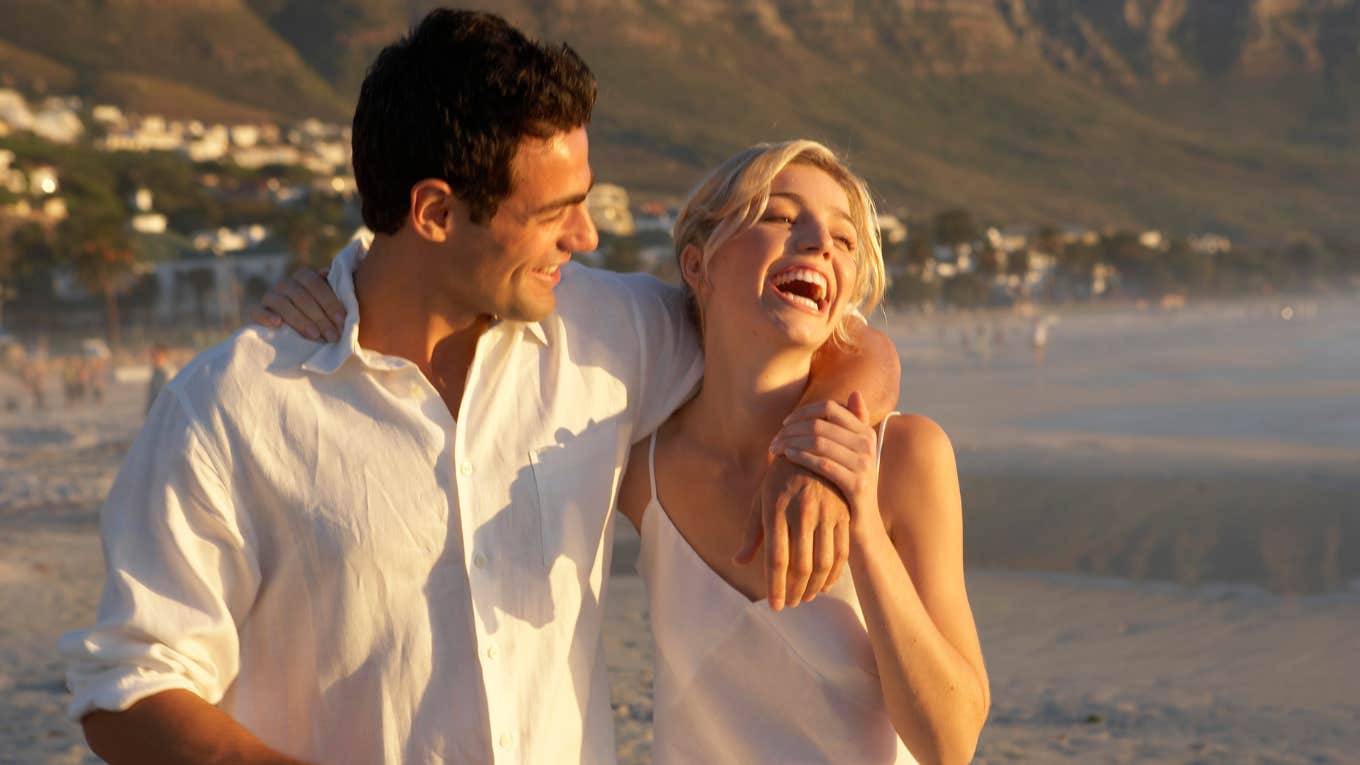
(582, 235)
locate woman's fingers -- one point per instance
(856, 439)
(320, 290)
(261, 315)
(283, 307)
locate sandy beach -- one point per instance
(1163, 536)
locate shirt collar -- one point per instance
(331, 356)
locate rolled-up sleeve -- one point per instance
(179, 576)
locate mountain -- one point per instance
(1239, 116)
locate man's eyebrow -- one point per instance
(799, 199)
(568, 201)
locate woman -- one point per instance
(777, 247)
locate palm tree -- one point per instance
(103, 261)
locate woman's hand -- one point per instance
(305, 302)
(837, 443)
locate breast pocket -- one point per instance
(576, 478)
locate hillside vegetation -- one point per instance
(1239, 116)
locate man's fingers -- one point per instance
(837, 474)
(823, 559)
(802, 547)
(842, 537)
(289, 313)
(776, 560)
(751, 538)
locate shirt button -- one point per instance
(491, 652)
(465, 468)
(505, 740)
(479, 560)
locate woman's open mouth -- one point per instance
(804, 288)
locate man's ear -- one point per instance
(692, 268)
(434, 209)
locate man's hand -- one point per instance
(804, 524)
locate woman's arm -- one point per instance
(907, 562)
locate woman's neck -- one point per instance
(745, 396)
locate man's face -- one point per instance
(508, 267)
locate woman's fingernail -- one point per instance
(312, 334)
(339, 317)
(331, 336)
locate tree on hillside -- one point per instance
(100, 255)
(955, 227)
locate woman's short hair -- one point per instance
(733, 198)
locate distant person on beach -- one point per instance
(161, 372)
(392, 548)
(1039, 340)
(778, 247)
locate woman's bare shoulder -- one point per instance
(918, 477)
(636, 489)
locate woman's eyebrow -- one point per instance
(796, 197)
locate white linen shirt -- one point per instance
(303, 535)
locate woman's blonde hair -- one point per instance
(733, 198)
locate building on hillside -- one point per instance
(14, 111)
(1209, 244)
(607, 204)
(145, 219)
(654, 217)
(58, 121)
(1010, 238)
(43, 181)
(1153, 240)
(892, 228)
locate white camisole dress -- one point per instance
(738, 683)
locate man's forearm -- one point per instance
(870, 365)
(175, 727)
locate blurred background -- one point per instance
(1124, 244)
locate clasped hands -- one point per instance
(823, 479)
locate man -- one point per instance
(392, 548)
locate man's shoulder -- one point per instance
(583, 286)
(245, 365)
(594, 297)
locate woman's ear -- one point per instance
(692, 268)
(432, 209)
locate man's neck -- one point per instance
(402, 313)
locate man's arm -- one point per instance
(870, 365)
(179, 576)
(175, 727)
(799, 517)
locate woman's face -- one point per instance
(788, 277)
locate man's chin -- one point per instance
(530, 312)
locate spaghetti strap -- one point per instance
(651, 466)
(882, 430)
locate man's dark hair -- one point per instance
(452, 100)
